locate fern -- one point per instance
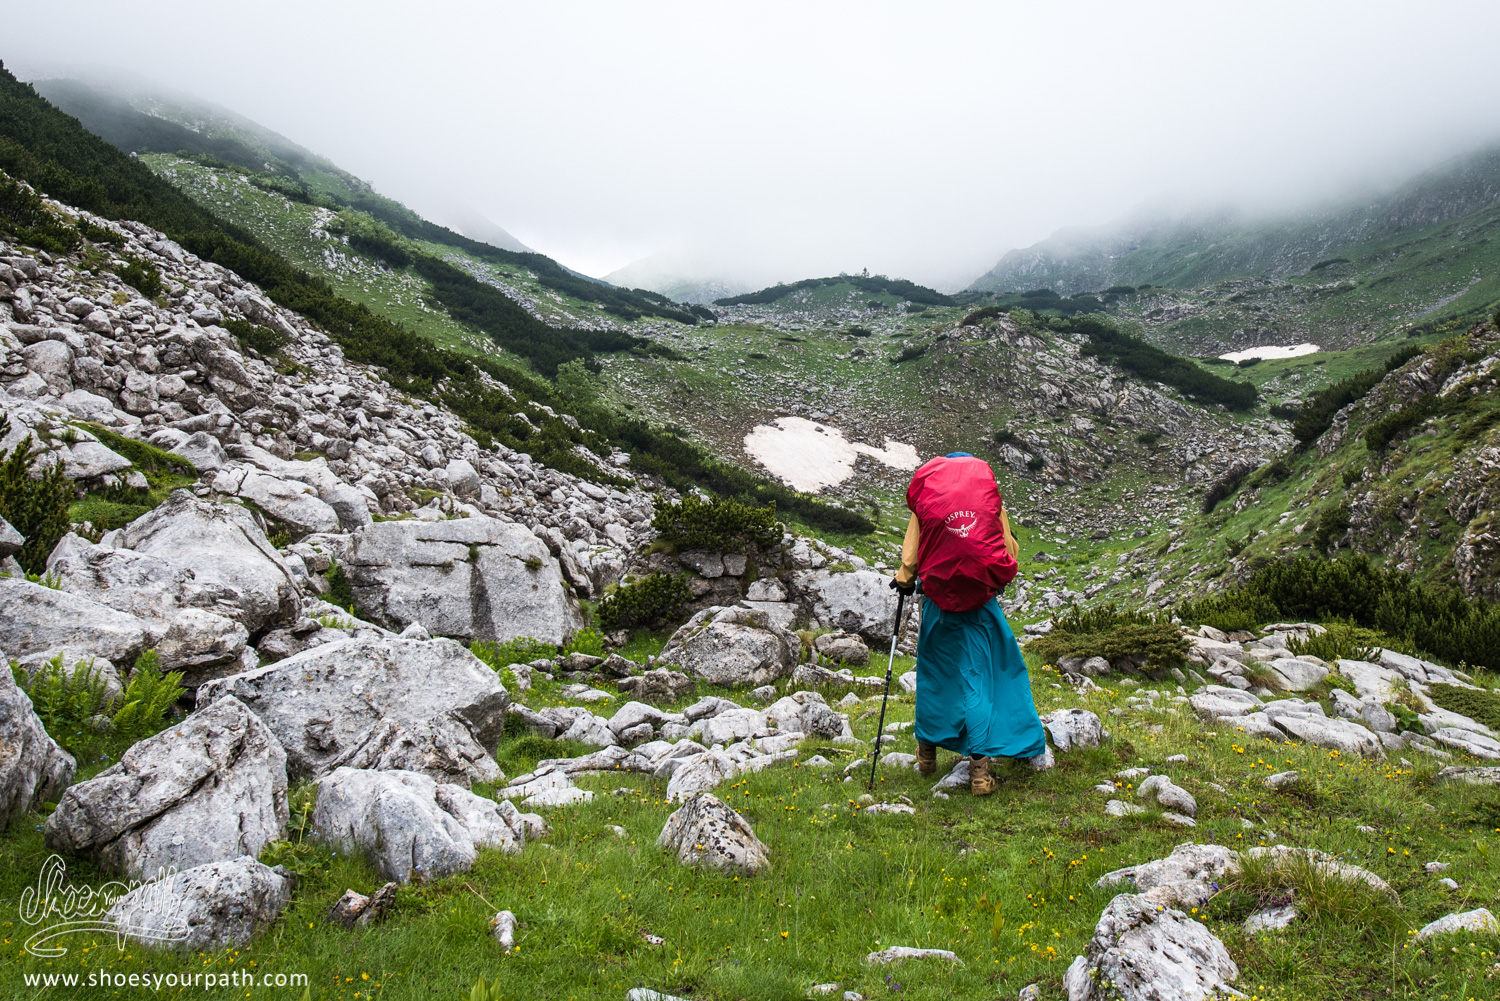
(142, 708)
(66, 703)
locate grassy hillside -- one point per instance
(54, 153)
(1425, 251)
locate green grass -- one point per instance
(1006, 882)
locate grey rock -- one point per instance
(410, 827)
(503, 924)
(35, 619)
(1145, 952)
(1168, 794)
(469, 578)
(1478, 921)
(1072, 729)
(859, 602)
(219, 905)
(1187, 876)
(322, 703)
(1298, 675)
(902, 953)
(842, 648)
(295, 505)
(700, 773)
(705, 832)
(203, 451)
(1120, 808)
(85, 460)
(441, 747)
(732, 646)
(33, 768)
(207, 789)
(1270, 919)
(11, 540)
(1336, 734)
(804, 712)
(1481, 775)
(1281, 780)
(226, 550)
(1467, 741)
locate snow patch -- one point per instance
(809, 456)
(1271, 352)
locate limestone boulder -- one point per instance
(805, 712)
(408, 826)
(842, 648)
(226, 550)
(1143, 951)
(732, 646)
(705, 832)
(218, 905)
(1186, 877)
(859, 602)
(468, 578)
(1298, 675)
(659, 685)
(33, 768)
(324, 703)
(208, 789)
(1072, 729)
(39, 620)
(293, 504)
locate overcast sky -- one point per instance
(777, 141)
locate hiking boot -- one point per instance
(981, 782)
(926, 759)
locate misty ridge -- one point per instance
(457, 470)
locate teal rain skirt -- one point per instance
(973, 695)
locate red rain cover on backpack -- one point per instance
(961, 558)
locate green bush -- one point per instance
(1105, 631)
(1330, 525)
(659, 596)
(719, 525)
(1343, 640)
(262, 340)
(1440, 621)
(909, 352)
(23, 215)
(521, 650)
(142, 276)
(980, 314)
(1316, 416)
(36, 505)
(1481, 705)
(340, 590)
(587, 640)
(1146, 361)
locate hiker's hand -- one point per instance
(908, 588)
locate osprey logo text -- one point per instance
(962, 531)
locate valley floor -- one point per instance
(1005, 882)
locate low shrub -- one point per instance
(587, 640)
(23, 215)
(981, 314)
(1330, 526)
(1343, 640)
(520, 650)
(658, 596)
(718, 525)
(262, 340)
(34, 502)
(340, 590)
(142, 276)
(1481, 705)
(910, 352)
(77, 711)
(1316, 415)
(1105, 631)
(1440, 621)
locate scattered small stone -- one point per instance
(1270, 919)
(1446, 882)
(1434, 867)
(901, 953)
(1179, 819)
(889, 808)
(1477, 920)
(619, 831)
(1120, 808)
(357, 909)
(1366, 829)
(647, 994)
(823, 988)
(1132, 774)
(503, 928)
(817, 761)
(1179, 758)
(1108, 788)
(622, 791)
(1282, 780)
(651, 939)
(1031, 992)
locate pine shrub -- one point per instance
(658, 596)
(1105, 631)
(36, 506)
(719, 525)
(143, 276)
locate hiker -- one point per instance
(973, 695)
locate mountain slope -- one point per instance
(1337, 276)
(221, 150)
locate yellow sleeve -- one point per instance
(1011, 545)
(909, 545)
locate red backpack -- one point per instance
(961, 558)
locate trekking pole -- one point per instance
(880, 727)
